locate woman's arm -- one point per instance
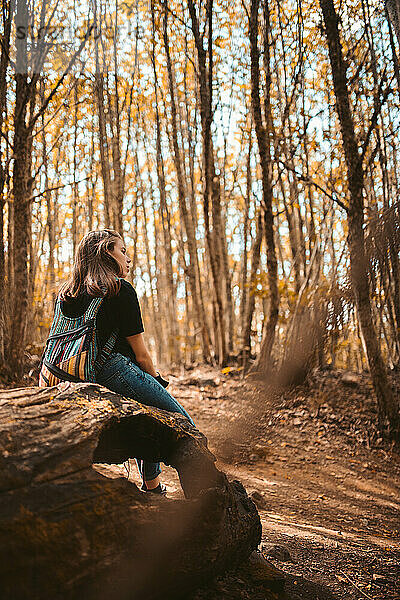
(142, 355)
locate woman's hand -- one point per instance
(161, 380)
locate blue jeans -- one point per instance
(119, 374)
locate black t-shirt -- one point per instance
(120, 312)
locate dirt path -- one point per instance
(329, 504)
(326, 486)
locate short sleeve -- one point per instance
(128, 316)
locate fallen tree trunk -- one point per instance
(67, 532)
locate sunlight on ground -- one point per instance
(128, 470)
(329, 537)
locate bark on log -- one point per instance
(68, 532)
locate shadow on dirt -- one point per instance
(236, 586)
(297, 588)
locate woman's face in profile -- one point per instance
(119, 253)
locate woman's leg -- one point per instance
(122, 376)
(135, 383)
(110, 376)
(150, 472)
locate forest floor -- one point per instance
(326, 485)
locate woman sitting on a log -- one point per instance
(97, 334)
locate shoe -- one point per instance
(161, 489)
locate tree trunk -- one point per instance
(3, 294)
(157, 321)
(388, 409)
(50, 224)
(293, 238)
(170, 296)
(91, 184)
(391, 18)
(393, 9)
(5, 53)
(21, 189)
(190, 130)
(74, 533)
(227, 276)
(255, 263)
(191, 239)
(115, 118)
(75, 197)
(263, 132)
(103, 144)
(211, 179)
(246, 224)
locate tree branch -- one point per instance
(59, 82)
(374, 119)
(57, 187)
(305, 179)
